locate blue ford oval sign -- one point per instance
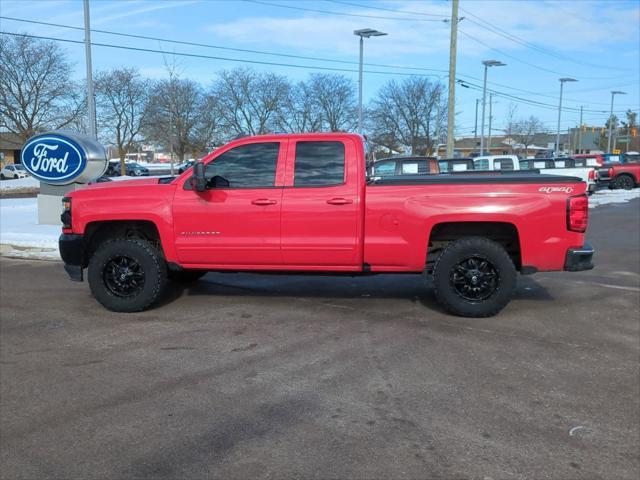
(60, 158)
(53, 158)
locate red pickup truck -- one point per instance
(620, 175)
(303, 203)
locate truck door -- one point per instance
(321, 204)
(238, 224)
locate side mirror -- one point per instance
(198, 180)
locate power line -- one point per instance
(370, 7)
(342, 14)
(499, 31)
(211, 57)
(205, 45)
(309, 67)
(285, 55)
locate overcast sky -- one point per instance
(596, 42)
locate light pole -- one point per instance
(487, 64)
(363, 33)
(91, 106)
(562, 81)
(613, 94)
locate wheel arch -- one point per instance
(504, 233)
(98, 232)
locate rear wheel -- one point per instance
(474, 277)
(625, 181)
(127, 275)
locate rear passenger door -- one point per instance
(320, 205)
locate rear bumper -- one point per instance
(72, 250)
(579, 259)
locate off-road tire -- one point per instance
(186, 276)
(146, 255)
(460, 250)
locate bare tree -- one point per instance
(36, 92)
(335, 99)
(299, 112)
(176, 116)
(249, 101)
(524, 130)
(410, 113)
(121, 98)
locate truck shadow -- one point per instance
(411, 287)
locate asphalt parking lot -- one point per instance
(256, 376)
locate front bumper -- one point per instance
(579, 259)
(72, 250)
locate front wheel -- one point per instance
(474, 277)
(127, 275)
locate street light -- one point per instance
(487, 64)
(562, 80)
(363, 33)
(613, 94)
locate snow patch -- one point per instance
(20, 233)
(606, 197)
(19, 184)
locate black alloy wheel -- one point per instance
(475, 279)
(123, 277)
(625, 182)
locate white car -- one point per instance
(496, 162)
(13, 171)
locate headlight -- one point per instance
(66, 212)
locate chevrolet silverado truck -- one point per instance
(620, 175)
(303, 203)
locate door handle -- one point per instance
(264, 201)
(339, 201)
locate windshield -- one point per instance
(19, 167)
(134, 164)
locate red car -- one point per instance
(620, 175)
(303, 203)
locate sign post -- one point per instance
(63, 161)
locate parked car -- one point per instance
(591, 159)
(450, 165)
(303, 202)
(184, 166)
(621, 175)
(564, 166)
(413, 165)
(13, 171)
(132, 169)
(496, 162)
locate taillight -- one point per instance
(577, 213)
(592, 174)
(610, 172)
(65, 218)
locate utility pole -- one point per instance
(490, 117)
(475, 129)
(91, 105)
(451, 104)
(580, 132)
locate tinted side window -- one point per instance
(319, 164)
(482, 164)
(247, 166)
(444, 166)
(504, 164)
(385, 168)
